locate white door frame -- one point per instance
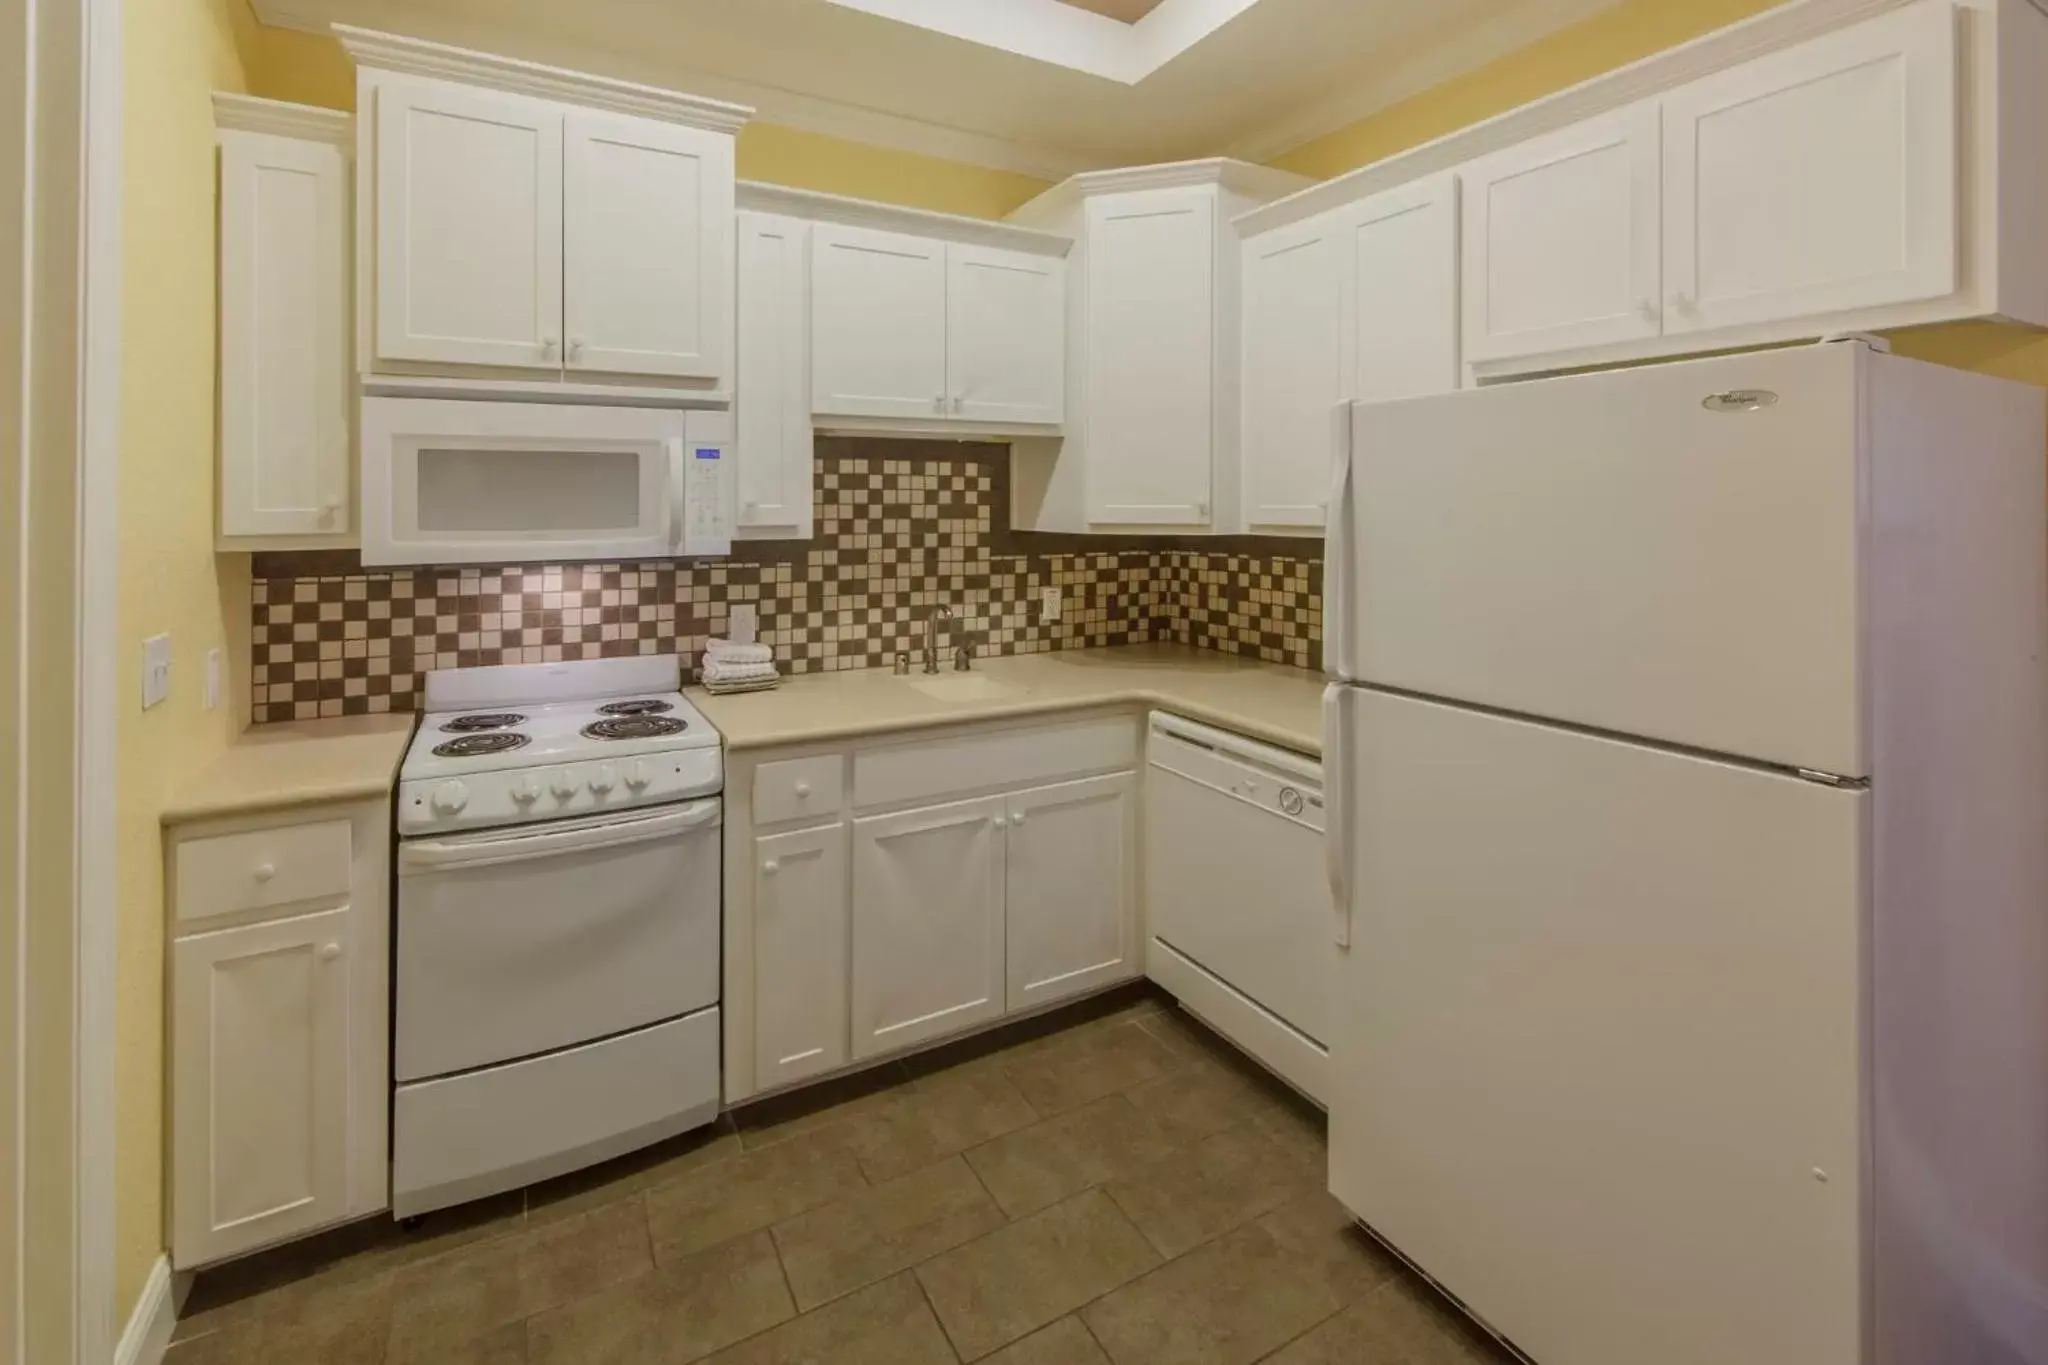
(60, 181)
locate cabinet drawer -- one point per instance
(799, 788)
(1015, 758)
(262, 868)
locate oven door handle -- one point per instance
(512, 846)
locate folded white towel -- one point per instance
(725, 651)
(731, 672)
(722, 687)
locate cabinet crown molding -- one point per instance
(1654, 75)
(1240, 177)
(416, 57)
(818, 207)
(248, 114)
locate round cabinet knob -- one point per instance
(547, 345)
(604, 779)
(564, 786)
(575, 346)
(329, 951)
(265, 871)
(803, 790)
(451, 796)
(1648, 308)
(1017, 819)
(526, 791)
(770, 868)
(999, 822)
(637, 774)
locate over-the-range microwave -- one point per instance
(457, 481)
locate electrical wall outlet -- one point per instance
(1050, 604)
(156, 670)
(213, 679)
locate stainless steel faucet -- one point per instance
(931, 637)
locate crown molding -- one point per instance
(416, 57)
(1239, 177)
(248, 114)
(761, 197)
(1645, 79)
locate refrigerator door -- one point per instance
(1670, 552)
(1597, 1066)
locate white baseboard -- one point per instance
(148, 1333)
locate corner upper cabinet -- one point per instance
(286, 453)
(1817, 179)
(1562, 240)
(522, 224)
(878, 324)
(469, 227)
(772, 387)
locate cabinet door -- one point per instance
(878, 323)
(772, 390)
(469, 227)
(1006, 335)
(1815, 180)
(1293, 370)
(927, 923)
(1561, 240)
(1072, 902)
(1401, 292)
(800, 955)
(1151, 319)
(284, 381)
(259, 1084)
(647, 247)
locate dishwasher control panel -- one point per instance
(1285, 784)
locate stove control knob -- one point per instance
(565, 785)
(637, 774)
(451, 796)
(604, 779)
(526, 790)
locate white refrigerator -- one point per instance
(1687, 763)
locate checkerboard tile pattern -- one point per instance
(895, 537)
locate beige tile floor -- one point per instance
(1113, 1185)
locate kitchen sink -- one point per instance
(966, 687)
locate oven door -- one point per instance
(449, 481)
(519, 941)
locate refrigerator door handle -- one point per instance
(1337, 550)
(1337, 761)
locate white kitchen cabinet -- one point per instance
(801, 959)
(1071, 888)
(279, 1012)
(771, 387)
(1359, 302)
(1150, 338)
(1816, 179)
(927, 923)
(878, 323)
(1294, 285)
(1562, 242)
(647, 246)
(260, 1080)
(285, 389)
(469, 226)
(1005, 336)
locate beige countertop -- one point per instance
(1271, 702)
(297, 763)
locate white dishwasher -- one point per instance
(1239, 913)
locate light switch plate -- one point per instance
(1050, 604)
(212, 678)
(743, 623)
(156, 670)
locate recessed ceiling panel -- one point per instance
(1130, 11)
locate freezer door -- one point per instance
(1597, 1064)
(1641, 551)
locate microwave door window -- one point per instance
(554, 494)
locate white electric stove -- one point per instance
(559, 894)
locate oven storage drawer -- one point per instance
(464, 1137)
(518, 941)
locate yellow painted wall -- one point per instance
(308, 68)
(179, 52)
(1631, 30)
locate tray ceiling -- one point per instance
(1128, 11)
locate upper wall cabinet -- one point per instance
(1561, 240)
(1359, 302)
(1815, 180)
(527, 225)
(772, 386)
(1153, 293)
(286, 456)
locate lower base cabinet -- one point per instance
(800, 946)
(1070, 882)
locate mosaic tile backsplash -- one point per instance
(901, 528)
